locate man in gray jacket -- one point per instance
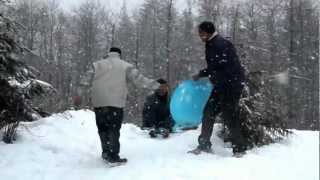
(109, 94)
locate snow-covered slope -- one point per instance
(66, 147)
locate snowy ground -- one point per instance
(66, 147)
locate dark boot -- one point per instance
(199, 150)
(239, 150)
(116, 160)
(153, 134)
(164, 132)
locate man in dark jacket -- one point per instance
(156, 114)
(227, 75)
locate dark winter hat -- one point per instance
(207, 26)
(115, 49)
(162, 81)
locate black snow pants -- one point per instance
(109, 120)
(225, 101)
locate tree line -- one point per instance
(277, 42)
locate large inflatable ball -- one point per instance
(188, 101)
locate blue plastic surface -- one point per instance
(188, 102)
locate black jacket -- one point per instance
(156, 112)
(223, 65)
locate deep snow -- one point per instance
(66, 147)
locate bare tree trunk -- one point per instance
(292, 56)
(235, 25)
(137, 51)
(113, 34)
(154, 34)
(168, 36)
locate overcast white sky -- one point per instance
(115, 5)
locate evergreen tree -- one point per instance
(260, 117)
(17, 81)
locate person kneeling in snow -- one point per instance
(109, 93)
(156, 114)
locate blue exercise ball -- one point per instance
(188, 102)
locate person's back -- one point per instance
(109, 86)
(223, 63)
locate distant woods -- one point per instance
(271, 36)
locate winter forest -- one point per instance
(277, 42)
(267, 124)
